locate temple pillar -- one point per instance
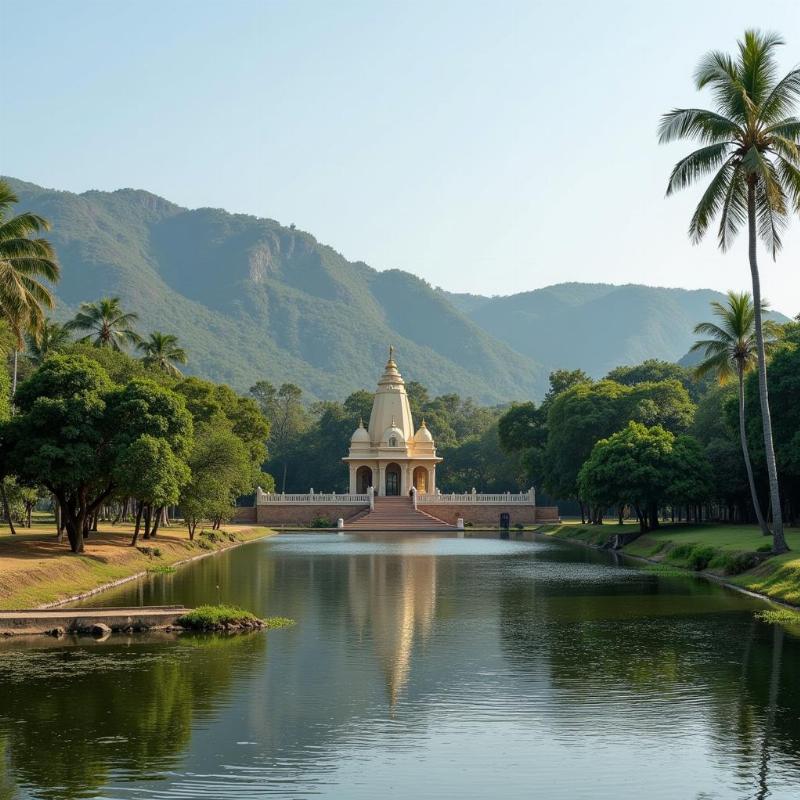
(404, 484)
(381, 481)
(432, 480)
(353, 469)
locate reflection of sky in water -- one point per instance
(427, 667)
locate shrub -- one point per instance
(733, 563)
(162, 569)
(700, 557)
(221, 617)
(764, 548)
(321, 522)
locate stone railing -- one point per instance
(522, 498)
(311, 498)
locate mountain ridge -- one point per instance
(251, 299)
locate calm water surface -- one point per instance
(420, 667)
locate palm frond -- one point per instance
(733, 213)
(757, 66)
(696, 123)
(790, 178)
(697, 164)
(782, 98)
(710, 203)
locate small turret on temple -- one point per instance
(389, 453)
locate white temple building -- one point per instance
(389, 454)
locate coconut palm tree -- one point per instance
(25, 260)
(161, 351)
(751, 146)
(730, 351)
(107, 323)
(53, 338)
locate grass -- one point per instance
(737, 553)
(161, 569)
(206, 618)
(36, 570)
(779, 616)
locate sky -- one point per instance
(489, 147)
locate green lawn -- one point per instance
(737, 553)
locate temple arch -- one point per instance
(393, 480)
(420, 480)
(363, 479)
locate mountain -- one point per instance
(251, 299)
(593, 326)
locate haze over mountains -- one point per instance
(251, 299)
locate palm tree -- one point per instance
(751, 144)
(107, 323)
(24, 262)
(53, 338)
(161, 351)
(730, 351)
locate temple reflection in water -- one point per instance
(393, 601)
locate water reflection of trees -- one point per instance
(749, 700)
(70, 715)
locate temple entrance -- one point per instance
(421, 480)
(392, 480)
(363, 480)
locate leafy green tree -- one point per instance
(641, 467)
(665, 403)
(729, 351)
(161, 352)
(521, 427)
(784, 390)
(561, 380)
(751, 144)
(52, 338)
(107, 324)
(62, 437)
(654, 370)
(221, 470)
(287, 418)
(148, 470)
(577, 418)
(26, 260)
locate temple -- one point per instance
(389, 454)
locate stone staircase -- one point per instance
(396, 514)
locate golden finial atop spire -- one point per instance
(390, 362)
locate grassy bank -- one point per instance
(738, 554)
(36, 570)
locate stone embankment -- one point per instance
(96, 621)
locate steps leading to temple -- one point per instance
(396, 514)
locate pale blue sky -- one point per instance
(491, 147)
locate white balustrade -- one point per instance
(477, 498)
(312, 498)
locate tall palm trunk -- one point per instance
(746, 453)
(14, 380)
(778, 539)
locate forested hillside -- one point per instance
(593, 326)
(251, 299)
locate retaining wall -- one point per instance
(298, 514)
(480, 514)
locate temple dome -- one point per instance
(393, 433)
(361, 435)
(423, 435)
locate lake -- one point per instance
(420, 667)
